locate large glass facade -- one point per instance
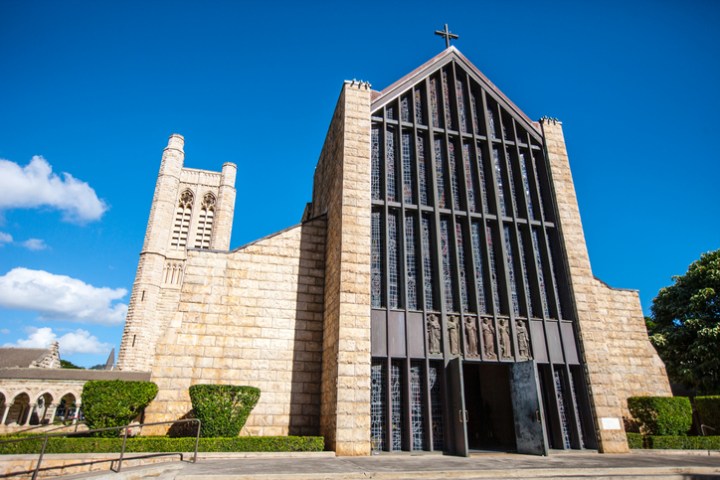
(465, 253)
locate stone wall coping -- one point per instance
(616, 288)
(70, 374)
(274, 234)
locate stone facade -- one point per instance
(620, 360)
(190, 209)
(291, 313)
(252, 316)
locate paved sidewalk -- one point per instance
(566, 466)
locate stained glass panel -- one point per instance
(462, 111)
(376, 261)
(392, 195)
(376, 163)
(447, 274)
(526, 186)
(449, 121)
(405, 108)
(440, 173)
(396, 405)
(511, 182)
(436, 413)
(454, 181)
(526, 276)
(422, 170)
(417, 390)
(459, 240)
(555, 271)
(411, 260)
(497, 163)
(483, 183)
(434, 102)
(540, 274)
(377, 406)
(393, 257)
(469, 177)
(511, 270)
(427, 265)
(492, 122)
(419, 107)
(493, 269)
(479, 267)
(560, 391)
(408, 167)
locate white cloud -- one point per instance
(5, 331)
(35, 185)
(60, 296)
(79, 341)
(5, 238)
(34, 244)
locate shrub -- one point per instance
(661, 415)
(165, 444)
(708, 409)
(635, 440)
(114, 403)
(222, 409)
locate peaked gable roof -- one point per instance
(445, 57)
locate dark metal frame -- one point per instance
(515, 136)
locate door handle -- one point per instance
(462, 416)
(537, 416)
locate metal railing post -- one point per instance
(40, 458)
(122, 450)
(197, 439)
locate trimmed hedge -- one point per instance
(708, 409)
(673, 442)
(661, 415)
(114, 403)
(222, 409)
(165, 444)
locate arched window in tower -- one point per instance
(183, 214)
(205, 224)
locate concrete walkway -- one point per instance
(567, 466)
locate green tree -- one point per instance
(685, 325)
(69, 364)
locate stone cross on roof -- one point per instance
(446, 33)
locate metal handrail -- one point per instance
(704, 427)
(126, 428)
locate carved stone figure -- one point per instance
(523, 340)
(454, 334)
(433, 329)
(488, 333)
(471, 337)
(505, 349)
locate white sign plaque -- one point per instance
(610, 423)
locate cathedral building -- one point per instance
(437, 294)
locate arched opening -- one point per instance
(66, 408)
(19, 410)
(40, 414)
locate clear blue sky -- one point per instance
(96, 87)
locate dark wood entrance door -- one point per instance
(530, 433)
(457, 414)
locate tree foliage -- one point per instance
(69, 364)
(685, 325)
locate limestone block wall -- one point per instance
(155, 292)
(252, 316)
(620, 361)
(342, 192)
